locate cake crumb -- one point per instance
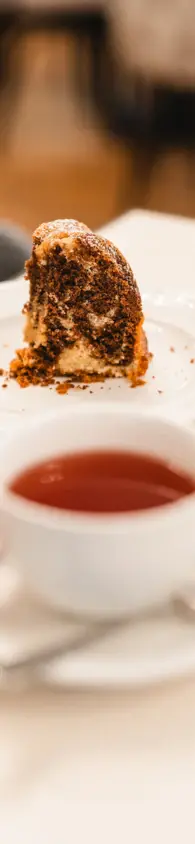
(139, 383)
(172, 349)
(192, 360)
(62, 389)
(160, 392)
(1, 371)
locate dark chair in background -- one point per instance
(8, 32)
(84, 19)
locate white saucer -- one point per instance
(143, 652)
(162, 253)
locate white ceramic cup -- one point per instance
(100, 565)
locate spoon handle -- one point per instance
(26, 666)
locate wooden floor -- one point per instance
(57, 159)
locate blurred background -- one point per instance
(97, 108)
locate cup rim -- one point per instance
(65, 520)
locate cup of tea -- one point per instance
(98, 508)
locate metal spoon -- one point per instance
(26, 668)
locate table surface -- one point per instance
(88, 766)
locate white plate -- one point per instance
(162, 253)
(169, 306)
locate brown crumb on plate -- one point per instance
(139, 383)
(63, 388)
(172, 349)
(192, 360)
